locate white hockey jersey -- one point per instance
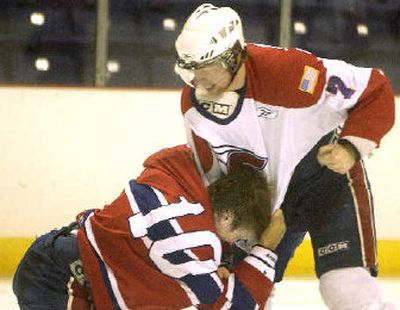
(290, 100)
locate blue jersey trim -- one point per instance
(241, 297)
(204, 287)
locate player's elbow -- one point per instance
(382, 93)
(387, 94)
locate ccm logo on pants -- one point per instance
(333, 247)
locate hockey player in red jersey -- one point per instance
(307, 122)
(158, 245)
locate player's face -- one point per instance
(223, 225)
(213, 78)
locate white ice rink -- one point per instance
(290, 294)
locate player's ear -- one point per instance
(226, 218)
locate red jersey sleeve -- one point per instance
(374, 114)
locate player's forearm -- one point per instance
(257, 272)
(248, 285)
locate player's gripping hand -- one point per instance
(337, 157)
(273, 234)
(223, 272)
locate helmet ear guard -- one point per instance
(234, 57)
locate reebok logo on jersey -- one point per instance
(309, 80)
(266, 113)
(333, 247)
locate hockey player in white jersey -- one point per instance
(307, 122)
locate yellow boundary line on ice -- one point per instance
(12, 250)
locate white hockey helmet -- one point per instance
(210, 33)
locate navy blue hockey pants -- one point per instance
(41, 279)
(336, 210)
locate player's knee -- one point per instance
(351, 288)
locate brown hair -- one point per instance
(243, 192)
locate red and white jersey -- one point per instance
(155, 246)
(290, 100)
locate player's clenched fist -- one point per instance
(337, 157)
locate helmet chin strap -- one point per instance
(231, 87)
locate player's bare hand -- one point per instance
(223, 272)
(336, 157)
(273, 234)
